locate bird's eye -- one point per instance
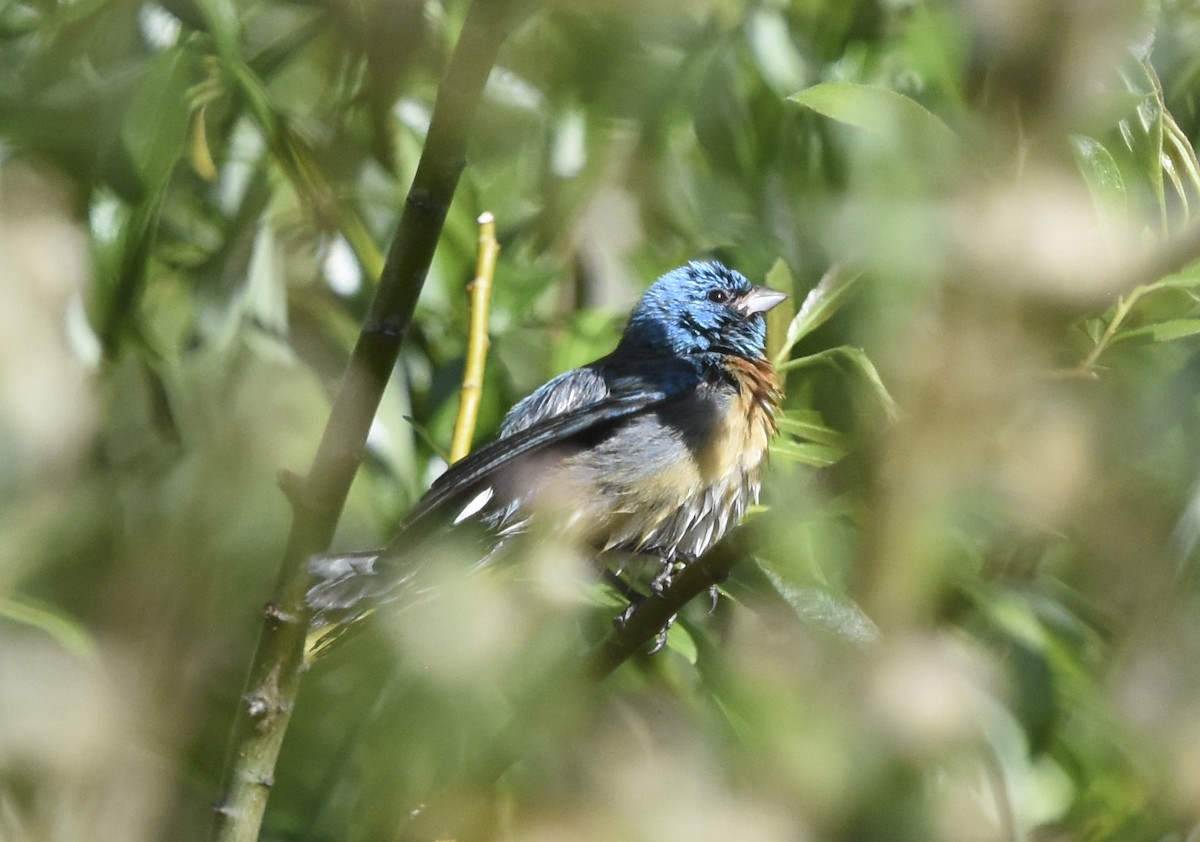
(718, 296)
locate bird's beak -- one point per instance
(760, 300)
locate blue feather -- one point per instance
(656, 448)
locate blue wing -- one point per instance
(577, 388)
(579, 406)
(582, 401)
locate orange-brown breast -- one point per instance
(742, 437)
(676, 481)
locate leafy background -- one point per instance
(968, 608)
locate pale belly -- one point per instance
(671, 483)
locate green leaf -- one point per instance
(1143, 134)
(822, 301)
(65, 630)
(807, 453)
(155, 127)
(779, 277)
(1163, 331)
(863, 363)
(859, 361)
(424, 435)
(880, 111)
(1100, 171)
(681, 642)
(823, 608)
(1181, 157)
(263, 299)
(808, 424)
(1188, 278)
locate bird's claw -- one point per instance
(714, 594)
(621, 619)
(660, 639)
(658, 586)
(666, 575)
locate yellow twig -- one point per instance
(198, 152)
(477, 339)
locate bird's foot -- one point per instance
(662, 580)
(660, 639)
(624, 617)
(670, 562)
(714, 594)
(666, 573)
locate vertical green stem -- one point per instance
(317, 500)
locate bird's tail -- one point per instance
(344, 582)
(347, 588)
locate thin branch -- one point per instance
(1171, 256)
(477, 340)
(1124, 303)
(274, 678)
(651, 615)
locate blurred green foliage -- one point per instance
(968, 607)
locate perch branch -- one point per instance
(651, 615)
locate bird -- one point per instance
(655, 450)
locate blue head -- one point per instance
(701, 308)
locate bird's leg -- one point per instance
(662, 579)
(626, 590)
(672, 563)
